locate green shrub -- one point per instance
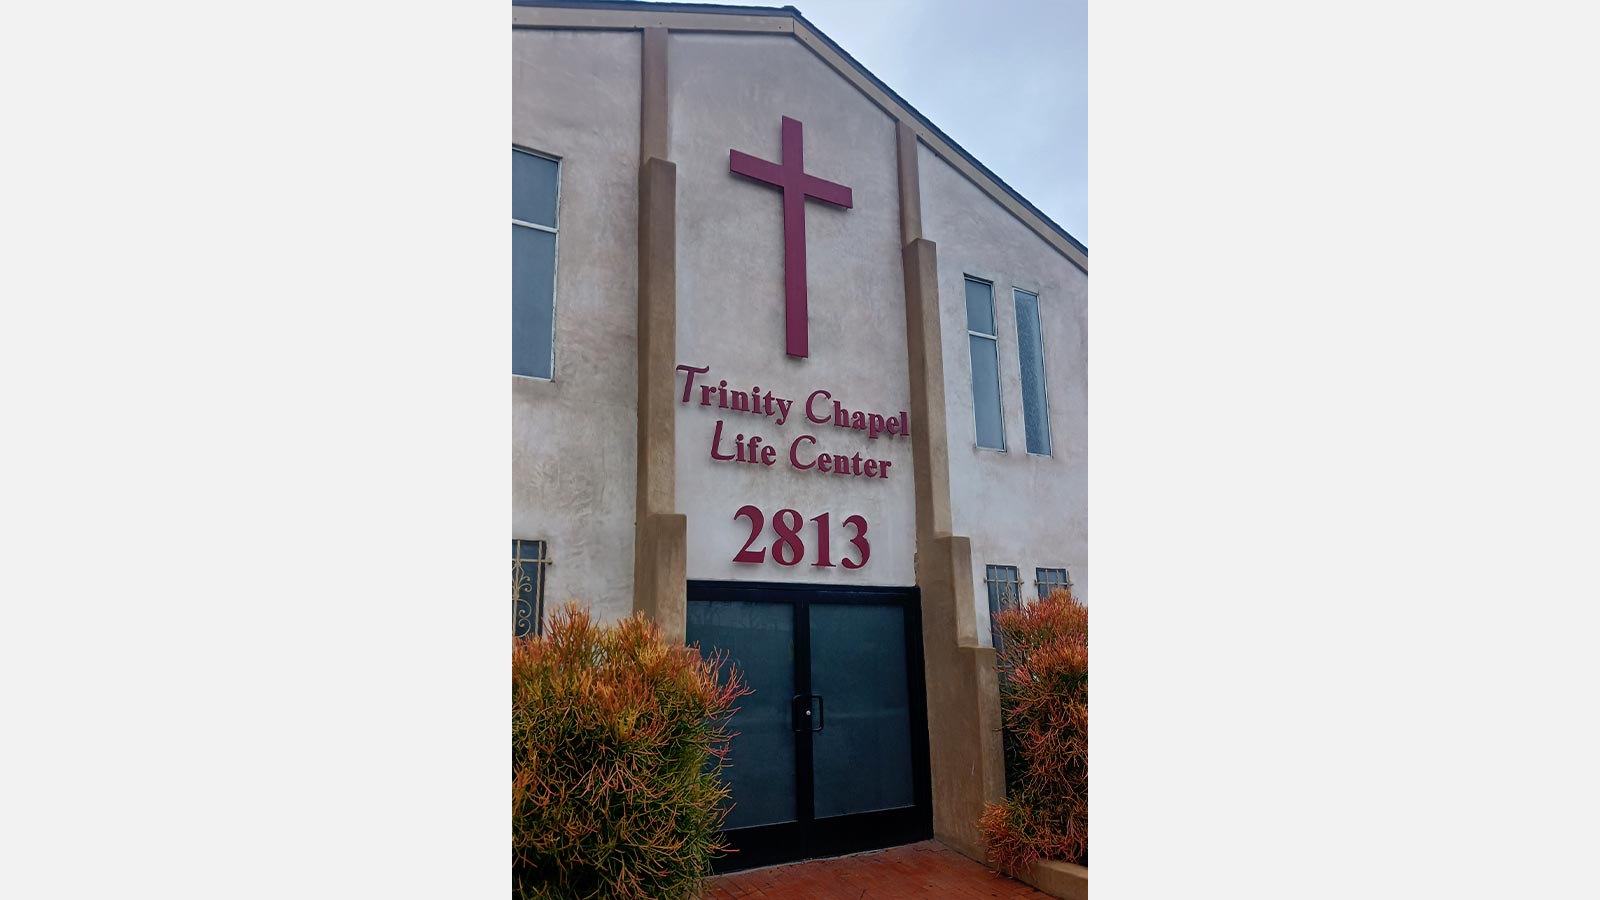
(616, 741)
(1044, 702)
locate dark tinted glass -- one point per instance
(527, 596)
(1051, 580)
(533, 289)
(980, 307)
(533, 188)
(761, 759)
(1003, 594)
(986, 392)
(862, 755)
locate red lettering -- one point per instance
(794, 458)
(820, 420)
(859, 541)
(874, 425)
(824, 558)
(716, 439)
(688, 382)
(883, 468)
(870, 467)
(787, 524)
(789, 548)
(745, 554)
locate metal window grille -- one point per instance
(1005, 592)
(1051, 580)
(528, 562)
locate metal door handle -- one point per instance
(809, 718)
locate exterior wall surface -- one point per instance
(576, 96)
(731, 92)
(677, 259)
(1018, 509)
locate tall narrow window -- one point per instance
(1030, 350)
(535, 182)
(528, 562)
(1049, 581)
(981, 341)
(1005, 592)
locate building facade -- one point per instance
(800, 379)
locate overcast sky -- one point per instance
(1007, 79)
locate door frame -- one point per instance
(807, 837)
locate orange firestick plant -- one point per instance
(1044, 702)
(617, 739)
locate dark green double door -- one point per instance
(831, 755)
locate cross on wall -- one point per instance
(797, 186)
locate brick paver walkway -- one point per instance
(912, 872)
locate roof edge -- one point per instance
(640, 6)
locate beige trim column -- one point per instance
(660, 532)
(966, 760)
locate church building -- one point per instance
(802, 380)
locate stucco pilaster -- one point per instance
(660, 550)
(925, 354)
(966, 759)
(965, 755)
(910, 183)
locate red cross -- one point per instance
(797, 186)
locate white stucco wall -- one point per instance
(576, 96)
(731, 92)
(1018, 509)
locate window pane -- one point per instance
(986, 392)
(1003, 594)
(1030, 349)
(524, 597)
(980, 307)
(996, 593)
(527, 587)
(862, 754)
(533, 188)
(1051, 580)
(761, 766)
(533, 287)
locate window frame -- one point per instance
(541, 562)
(1038, 571)
(555, 264)
(996, 607)
(999, 387)
(1044, 373)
